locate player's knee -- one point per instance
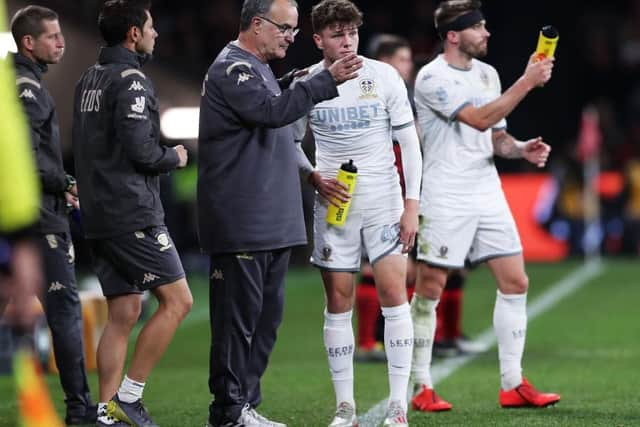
(518, 284)
(339, 300)
(430, 283)
(392, 296)
(180, 305)
(522, 284)
(127, 315)
(185, 305)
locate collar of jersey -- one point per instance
(36, 68)
(121, 55)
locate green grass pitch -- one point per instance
(587, 348)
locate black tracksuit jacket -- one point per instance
(45, 140)
(117, 149)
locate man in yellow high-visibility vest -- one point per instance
(19, 190)
(20, 273)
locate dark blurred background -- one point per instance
(597, 64)
(597, 59)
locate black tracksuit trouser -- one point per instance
(246, 299)
(64, 315)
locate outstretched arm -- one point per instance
(482, 118)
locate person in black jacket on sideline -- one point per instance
(118, 156)
(249, 200)
(40, 42)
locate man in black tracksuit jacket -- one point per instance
(249, 199)
(40, 42)
(118, 157)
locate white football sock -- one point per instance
(510, 325)
(130, 390)
(423, 314)
(339, 344)
(398, 345)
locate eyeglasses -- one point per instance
(284, 29)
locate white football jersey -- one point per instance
(457, 159)
(357, 125)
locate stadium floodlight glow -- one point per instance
(7, 44)
(180, 123)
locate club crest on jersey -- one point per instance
(443, 252)
(326, 253)
(164, 241)
(368, 88)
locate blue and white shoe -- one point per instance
(104, 420)
(133, 414)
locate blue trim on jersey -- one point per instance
(494, 256)
(384, 254)
(406, 125)
(460, 68)
(453, 115)
(337, 270)
(435, 264)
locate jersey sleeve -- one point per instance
(441, 94)
(38, 110)
(135, 129)
(244, 90)
(300, 128)
(398, 104)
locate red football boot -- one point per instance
(525, 395)
(428, 401)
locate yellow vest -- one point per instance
(19, 184)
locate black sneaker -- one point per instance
(445, 348)
(90, 416)
(224, 424)
(134, 413)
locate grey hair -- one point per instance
(253, 8)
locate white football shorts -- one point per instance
(374, 232)
(474, 229)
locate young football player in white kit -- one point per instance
(358, 125)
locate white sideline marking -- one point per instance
(556, 292)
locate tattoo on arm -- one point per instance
(505, 145)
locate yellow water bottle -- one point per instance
(547, 42)
(337, 215)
